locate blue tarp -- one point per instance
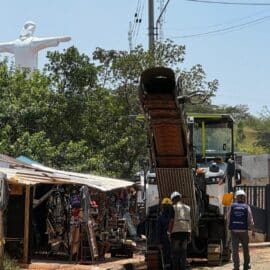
(27, 160)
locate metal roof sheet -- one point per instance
(31, 174)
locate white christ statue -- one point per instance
(26, 47)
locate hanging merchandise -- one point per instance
(75, 198)
(83, 244)
(75, 220)
(57, 217)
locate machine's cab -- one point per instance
(212, 138)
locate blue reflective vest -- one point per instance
(239, 216)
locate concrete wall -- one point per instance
(255, 169)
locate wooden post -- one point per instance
(1, 240)
(26, 224)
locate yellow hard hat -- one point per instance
(167, 201)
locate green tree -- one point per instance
(247, 134)
(80, 113)
(263, 130)
(24, 104)
(120, 71)
(240, 132)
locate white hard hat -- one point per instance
(175, 194)
(240, 192)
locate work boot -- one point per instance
(247, 267)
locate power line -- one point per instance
(230, 3)
(160, 22)
(161, 19)
(227, 29)
(134, 26)
(224, 24)
(135, 19)
(138, 21)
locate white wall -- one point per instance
(256, 168)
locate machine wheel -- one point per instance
(214, 254)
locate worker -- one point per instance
(240, 220)
(180, 232)
(163, 226)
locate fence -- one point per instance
(258, 197)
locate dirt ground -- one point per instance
(109, 264)
(260, 260)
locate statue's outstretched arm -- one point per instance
(41, 43)
(7, 47)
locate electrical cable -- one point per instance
(221, 24)
(139, 22)
(134, 24)
(227, 29)
(230, 3)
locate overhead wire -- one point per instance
(135, 18)
(226, 29)
(234, 27)
(231, 3)
(140, 12)
(135, 24)
(222, 24)
(161, 19)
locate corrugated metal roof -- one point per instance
(12, 162)
(31, 174)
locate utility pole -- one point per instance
(151, 24)
(151, 27)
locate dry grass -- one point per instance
(248, 145)
(10, 264)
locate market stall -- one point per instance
(53, 213)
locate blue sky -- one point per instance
(238, 59)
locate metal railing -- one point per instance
(255, 195)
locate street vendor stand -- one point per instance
(24, 178)
(116, 220)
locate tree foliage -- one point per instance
(80, 113)
(263, 129)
